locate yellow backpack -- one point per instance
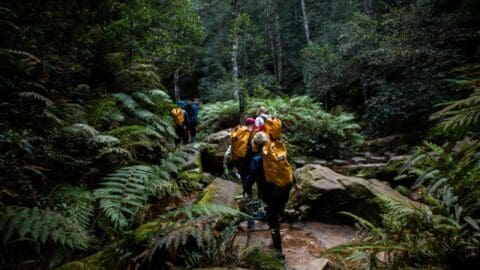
(273, 127)
(275, 164)
(177, 115)
(239, 138)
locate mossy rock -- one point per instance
(258, 258)
(145, 232)
(221, 192)
(194, 175)
(325, 193)
(382, 171)
(79, 265)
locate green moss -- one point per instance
(78, 265)
(145, 231)
(192, 176)
(263, 260)
(209, 193)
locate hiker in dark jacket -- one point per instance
(275, 197)
(193, 123)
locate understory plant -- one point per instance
(306, 126)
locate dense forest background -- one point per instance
(87, 153)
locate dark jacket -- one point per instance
(255, 174)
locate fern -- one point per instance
(40, 226)
(75, 203)
(36, 96)
(195, 223)
(460, 117)
(124, 192)
(103, 112)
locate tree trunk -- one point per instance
(278, 42)
(305, 20)
(367, 4)
(176, 79)
(236, 88)
(271, 37)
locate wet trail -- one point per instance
(303, 242)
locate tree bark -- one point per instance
(305, 20)
(367, 4)
(236, 88)
(271, 36)
(278, 42)
(176, 79)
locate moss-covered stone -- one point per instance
(145, 232)
(98, 261)
(382, 171)
(325, 193)
(221, 192)
(194, 175)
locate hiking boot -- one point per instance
(277, 241)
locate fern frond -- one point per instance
(75, 203)
(40, 226)
(36, 96)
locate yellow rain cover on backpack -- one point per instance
(275, 164)
(273, 127)
(239, 140)
(177, 115)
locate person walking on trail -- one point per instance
(193, 110)
(239, 152)
(180, 118)
(273, 191)
(262, 116)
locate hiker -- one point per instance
(239, 151)
(262, 116)
(180, 118)
(192, 110)
(274, 180)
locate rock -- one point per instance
(193, 158)
(299, 161)
(221, 192)
(327, 193)
(377, 159)
(358, 160)
(214, 150)
(389, 155)
(339, 162)
(381, 171)
(367, 154)
(320, 162)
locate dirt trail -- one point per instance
(303, 242)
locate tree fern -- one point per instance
(40, 226)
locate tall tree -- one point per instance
(236, 36)
(305, 20)
(274, 29)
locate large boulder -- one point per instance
(221, 192)
(324, 193)
(213, 150)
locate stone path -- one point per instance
(303, 242)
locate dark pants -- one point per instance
(193, 132)
(242, 166)
(276, 198)
(182, 133)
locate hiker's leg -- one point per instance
(193, 133)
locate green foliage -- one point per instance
(124, 192)
(263, 259)
(442, 233)
(462, 116)
(75, 203)
(306, 124)
(190, 232)
(41, 227)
